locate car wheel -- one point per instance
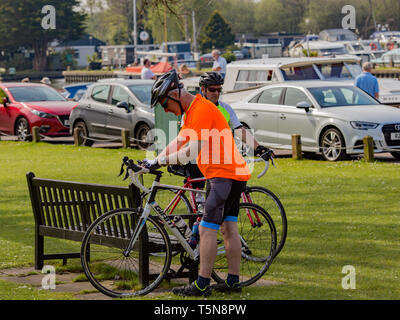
(332, 145)
(396, 154)
(22, 130)
(84, 133)
(141, 135)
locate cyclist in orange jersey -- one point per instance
(207, 137)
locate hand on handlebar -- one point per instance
(265, 153)
(150, 164)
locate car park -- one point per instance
(249, 74)
(332, 118)
(26, 105)
(108, 107)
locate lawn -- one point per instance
(344, 213)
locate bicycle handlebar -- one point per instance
(266, 167)
(134, 171)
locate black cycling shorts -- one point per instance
(222, 202)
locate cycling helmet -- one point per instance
(211, 79)
(164, 84)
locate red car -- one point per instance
(26, 105)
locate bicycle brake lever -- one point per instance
(126, 175)
(122, 169)
(273, 162)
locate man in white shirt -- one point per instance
(147, 74)
(219, 63)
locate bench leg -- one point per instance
(39, 250)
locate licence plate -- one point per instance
(66, 123)
(395, 136)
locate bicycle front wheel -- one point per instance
(258, 246)
(117, 274)
(267, 200)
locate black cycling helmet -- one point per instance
(164, 84)
(211, 79)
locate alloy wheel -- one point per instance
(332, 145)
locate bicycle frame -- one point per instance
(151, 204)
(188, 187)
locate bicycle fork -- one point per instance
(138, 229)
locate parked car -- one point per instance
(26, 105)
(332, 118)
(110, 106)
(207, 57)
(238, 54)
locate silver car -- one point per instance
(332, 118)
(109, 106)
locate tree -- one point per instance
(21, 26)
(216, 33)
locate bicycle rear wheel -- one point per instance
(104, 262)
(267, 200)
(258, 246)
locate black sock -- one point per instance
(202, 282)
(232, 279)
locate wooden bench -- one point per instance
(65, 209)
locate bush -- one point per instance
(229, 56)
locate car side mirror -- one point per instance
(123, 105)
(304, 105)
(4, 101)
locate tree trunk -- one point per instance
(40, 57)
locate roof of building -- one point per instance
(85, 40)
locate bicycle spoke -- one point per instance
(258, 247)
(115, 274)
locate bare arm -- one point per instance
(246, 137)
(182, 155)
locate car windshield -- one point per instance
(142, 92)
(39, 93)
(341, 97)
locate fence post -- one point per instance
(77, 137)
(296, 147)
(368, 149)
(35, 134)
(126, 143)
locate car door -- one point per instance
(293, 120)
(97, 108)
(120, 118)
(262, 110)
(5, 115)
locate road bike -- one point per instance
(115, 265)
(179, 203)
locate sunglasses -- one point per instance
(215, 89)
(165, 103)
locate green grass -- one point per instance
(344, 213)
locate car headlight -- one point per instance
(42, 114)
(362, 125)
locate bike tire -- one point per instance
(107, 239)
(267, 200)
(258, 253)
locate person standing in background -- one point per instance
(147, 74)
(367, 82)
(219, 63)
